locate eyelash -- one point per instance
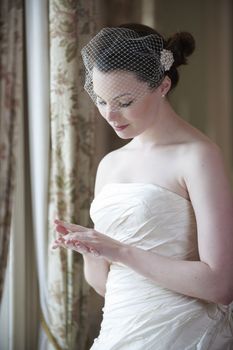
(126, 104)
(121, 105)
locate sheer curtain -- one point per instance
(11, 109)
(11, 116)
(39, 128)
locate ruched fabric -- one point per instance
(138, 313)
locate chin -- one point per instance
(128, 134)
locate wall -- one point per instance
(203, 95)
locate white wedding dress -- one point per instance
(139, 314)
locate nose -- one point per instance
(111, 114)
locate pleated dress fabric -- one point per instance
(138, 313)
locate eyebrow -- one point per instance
(121, 95)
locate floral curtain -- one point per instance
(72, 24)
(11, 104)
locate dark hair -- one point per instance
(105, 48)
(182, 45)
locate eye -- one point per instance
(124, 105)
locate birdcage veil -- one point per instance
(122, 54)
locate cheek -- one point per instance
(136, 113)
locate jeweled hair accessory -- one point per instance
(166, 59)
(121, 66)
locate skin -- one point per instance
(164, 150)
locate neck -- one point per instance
(162, 131)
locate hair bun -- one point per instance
(182, 44)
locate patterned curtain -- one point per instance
(72, 24)
(11, 104)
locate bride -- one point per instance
(161, 251)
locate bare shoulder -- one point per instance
(203, 157)
(198, 154)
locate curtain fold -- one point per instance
(37, 50)
(72, 23)
(11, 108)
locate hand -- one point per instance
(63, 229)
(91, 240)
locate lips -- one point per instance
(120, 127)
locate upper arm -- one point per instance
(100, 181)
(99, 177)
(103, 172)
(211, 196)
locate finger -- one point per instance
(56, 244)
(61, 229)
(70, 227)
(77, 246)
(74, 245)
(80, 236)
(76, 236)
(80, 247)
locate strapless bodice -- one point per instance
(138, 313)
(147, 216)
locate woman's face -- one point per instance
(126, 103)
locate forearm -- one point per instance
(96, 272)
(191, 278)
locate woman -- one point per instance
(161, 252)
